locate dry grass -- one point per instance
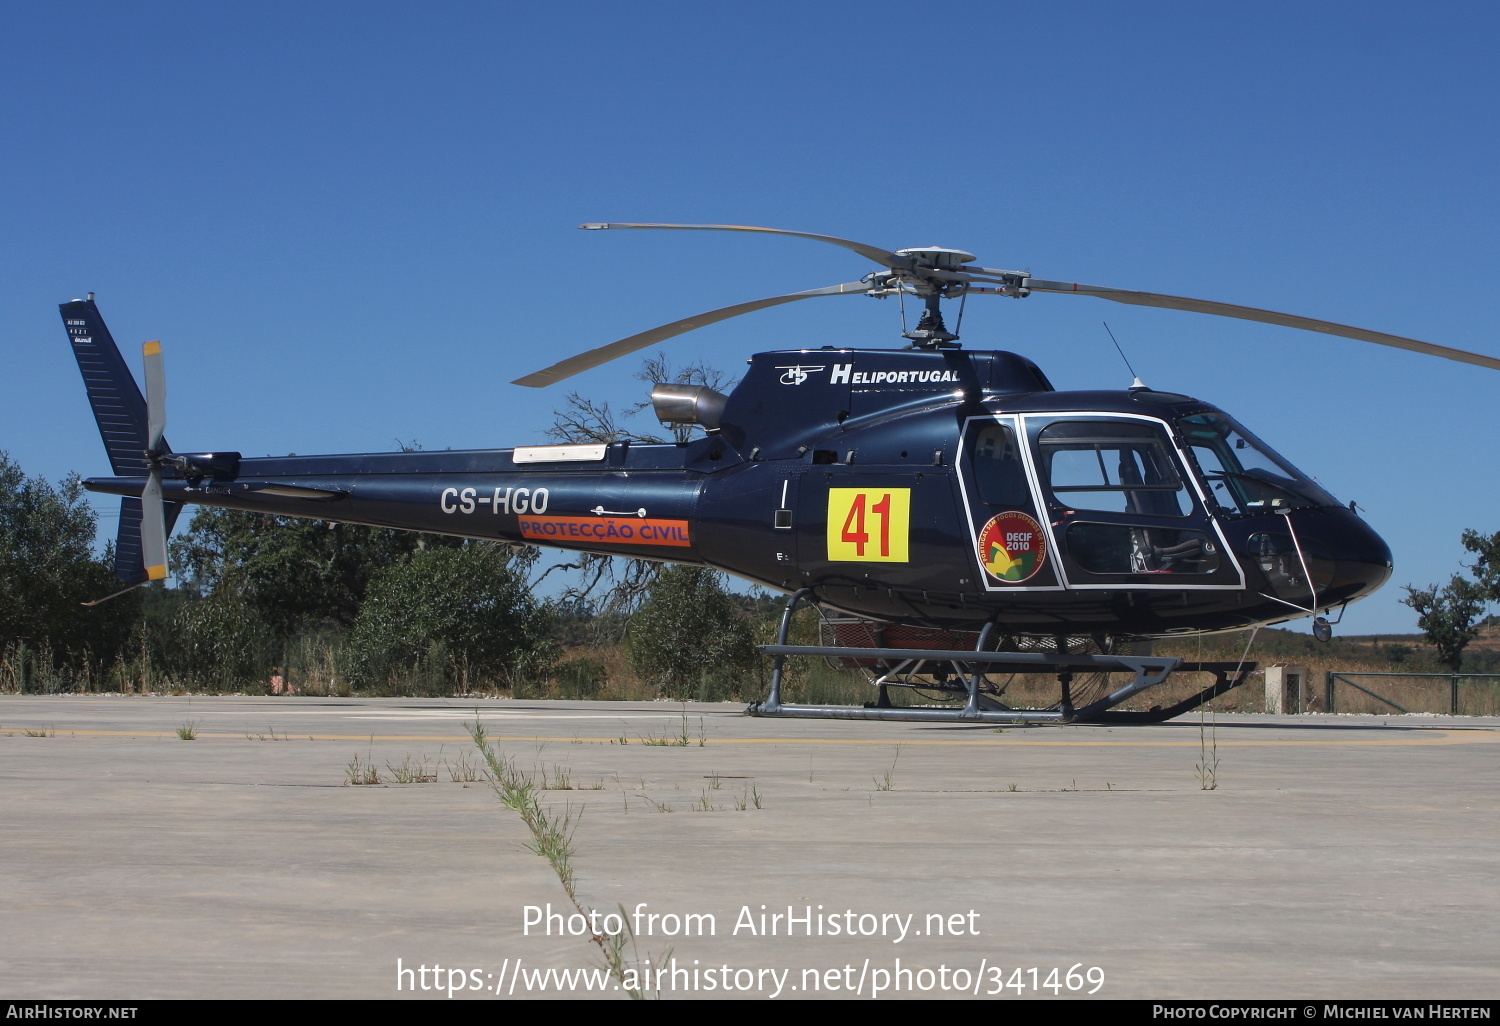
(311, 666)
(620, 682)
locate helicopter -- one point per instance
(950, 513)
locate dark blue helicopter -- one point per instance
(950, 504)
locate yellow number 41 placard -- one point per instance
(868, 525)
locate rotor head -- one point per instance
(936, 257)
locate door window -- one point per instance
(1116, 466)
(1126, 549)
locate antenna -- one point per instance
(1136, 381)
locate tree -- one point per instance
(48, 570)
(1487, 564)
(623, 583)
(293, 572)
(688, 639)
(466, 613)
(656, 370)
(583, 420)
(1449, 616)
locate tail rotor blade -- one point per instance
(153, 510)
(154, 528)
(156, 395)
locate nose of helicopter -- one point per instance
(1356, 559)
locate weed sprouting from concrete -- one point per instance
(463, 771)
(681, 739)
(658, 806)
(1206, 772)
(188, 731)
(408, 771)
(552, 839)
(884, 783)
(362, 771)
(40, 732)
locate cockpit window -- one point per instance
(1115, 466)
(1243, 474)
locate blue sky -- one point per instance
(353, 223)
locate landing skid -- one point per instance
(1146, 671)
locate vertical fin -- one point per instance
(120, 411)
(130, 562)
(119, 408)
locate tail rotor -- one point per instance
(150, 517)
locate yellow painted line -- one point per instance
(1428, 736)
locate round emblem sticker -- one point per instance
(1012, 547)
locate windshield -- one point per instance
(1243, 473)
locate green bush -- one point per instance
(445, 618)
(689, 640)
(297, 574)
(220, 643)
(48, 569)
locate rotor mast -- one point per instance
(931, 332)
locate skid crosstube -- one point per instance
(1147, 672)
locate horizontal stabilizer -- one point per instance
(134, 486)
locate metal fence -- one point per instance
(1453, 694)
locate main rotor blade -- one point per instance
(1250, 313)
(594, 357)
(156, 395)
(881, 256)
